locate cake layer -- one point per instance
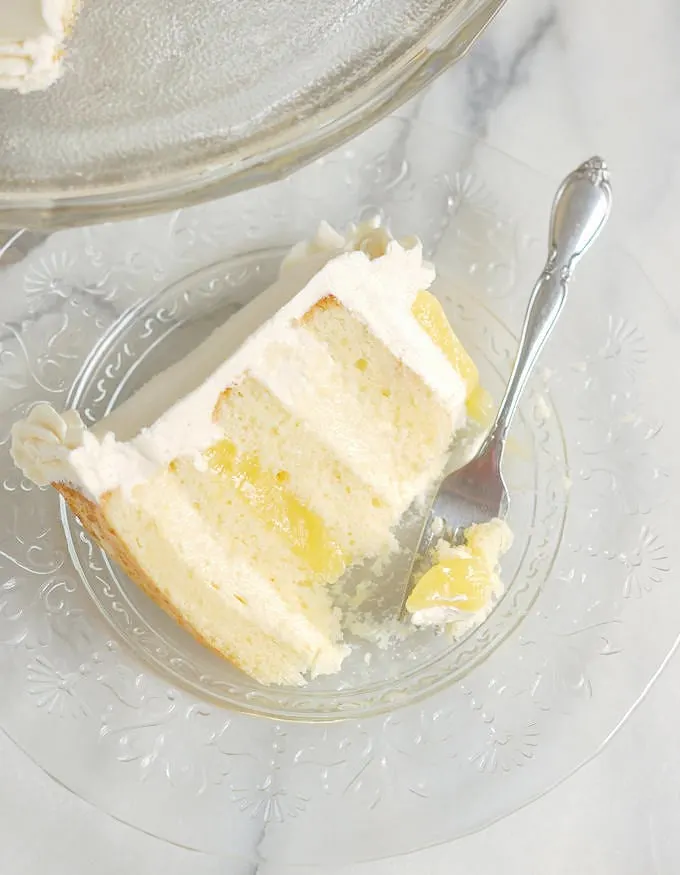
(262, 524)
(353, 514)
(207, 579)
(268, 499)
(210, 618)
(410, 426)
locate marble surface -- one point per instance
(549, 84)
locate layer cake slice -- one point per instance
(238, 485)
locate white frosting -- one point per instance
(32, 33)
(440, 616)
(42, 444)
(369, 237)
(150, 430)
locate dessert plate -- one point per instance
(165, 104)
(410, 746)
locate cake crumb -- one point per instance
(383, 635)
(541, 409)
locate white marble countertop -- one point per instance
(549, 84)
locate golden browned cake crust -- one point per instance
(321, 305)
(93, 518)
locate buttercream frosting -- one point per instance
(172, 416)
(42, 444)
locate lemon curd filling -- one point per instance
(267, 495)
(430, 315)
(461, 581)
(463, 578)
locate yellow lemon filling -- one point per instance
(463, 578)
(266, 493)
(461, 581)
(430, 315)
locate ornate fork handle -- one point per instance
(581, 207)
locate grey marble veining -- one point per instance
(491, 76)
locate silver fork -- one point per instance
(476, 493)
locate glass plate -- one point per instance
(431, 740)
(165, 104)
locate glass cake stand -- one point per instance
(165, 104)
(429, 740)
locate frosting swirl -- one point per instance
(42, 443)
(369, 237)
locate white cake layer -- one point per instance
(202, 593)
(215, 563)
(354, 515)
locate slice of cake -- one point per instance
(237, 485)
(32, 36)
